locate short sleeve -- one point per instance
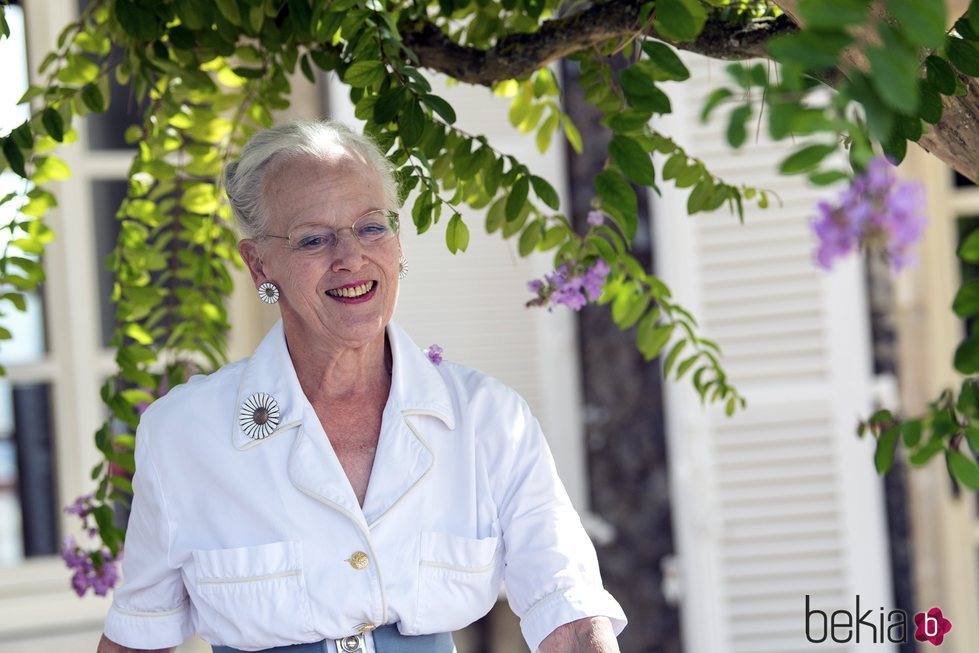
(150, 609)
(552, 575)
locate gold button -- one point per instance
(359, 560)
(366, 628)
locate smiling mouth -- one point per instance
(352, 292)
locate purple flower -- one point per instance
(877, 211)
(596, 218)
(97, 569)
(81, 507)
(569, 286)
(434, 353)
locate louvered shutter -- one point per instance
(781, 500)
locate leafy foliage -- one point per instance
(211, 74)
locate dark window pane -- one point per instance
(28, 490)
(106, 131)
(107, 195)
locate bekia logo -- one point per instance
(873, 626)
(932, 626)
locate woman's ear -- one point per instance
(250, 254)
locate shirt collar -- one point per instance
(270, 381)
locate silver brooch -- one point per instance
(259, 416)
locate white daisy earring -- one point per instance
(259, 416)
(402, 267)
(268, 292)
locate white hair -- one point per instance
(244, 179)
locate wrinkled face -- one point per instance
(344, 294)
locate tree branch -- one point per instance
(517, 55)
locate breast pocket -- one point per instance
(252, 597)
(459, 580)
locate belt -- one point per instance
(387, 639)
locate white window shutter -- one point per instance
(782, 500)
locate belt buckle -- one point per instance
(351, 644)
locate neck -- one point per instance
(337, 373)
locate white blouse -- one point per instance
(255, 542)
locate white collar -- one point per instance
(417, 388)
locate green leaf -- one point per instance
(674, 165)
(820, 14)
(545, 192)
(632, 159)
(972, 437)
(894, 72)
(15, 158)
(138, 21)
(671, 357)
(50, 168)
(805, 159)
(966, 302)
(737, 130)
(53, 124)
(679, 20)
(441, 107)
(911, 433)
(529, 239)
(92, 97)
(615, 191)
(652, 338)
(642, 93)
(685, 365)
(884, 456)
(931, 108)
(364, 73)
(572, 134)
(940, 74)
(388, 105)
(627, 121)
(701, 195)
(925, 453)
(229, 9)
(964, 55)
(969, 250)
(668, 65)
(411, 124)
(812, 49)
(966, 358)
(517, 198)
(547, 129)
(457, 234)
(714, 99)
(964, 470)
(923, 21)
(200, 198)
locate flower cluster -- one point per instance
(877, 212)
(570, 284)
(434, 354)
(97, 568)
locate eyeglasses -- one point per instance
(370, 229)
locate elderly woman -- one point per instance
(338, 490)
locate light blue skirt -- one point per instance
(387, 639)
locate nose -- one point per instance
(348, 254)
